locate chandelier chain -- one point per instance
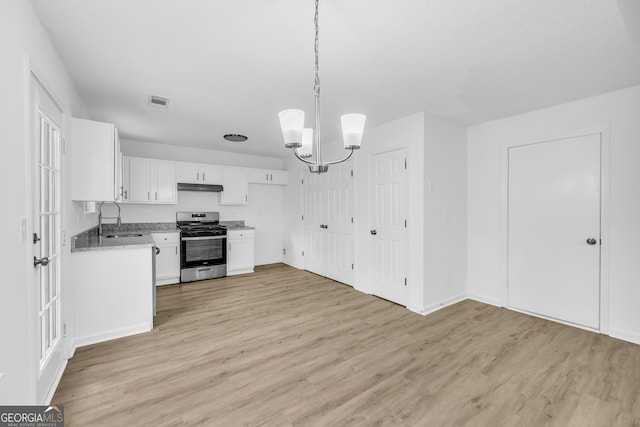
(316, 85)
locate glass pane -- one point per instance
(54, 321)
(54, 148)
(44, 287)
(44, 139)
(43, 181)
(47, 336)
(44, 235)
(53, 249)
(42, 327)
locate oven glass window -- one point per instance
(204, 250)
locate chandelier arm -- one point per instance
(295, 151)
(340, 161)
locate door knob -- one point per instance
(591, 241)
(374, 232)
(44, 261)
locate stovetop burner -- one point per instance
(200, 224)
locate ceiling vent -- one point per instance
(158, 101)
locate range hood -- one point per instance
(213, 188)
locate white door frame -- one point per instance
(605, 139)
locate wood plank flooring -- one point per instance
(284, 347)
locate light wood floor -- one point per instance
(285, 347)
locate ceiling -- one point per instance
(229, 66)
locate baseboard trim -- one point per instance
(56, 382)
(484, 299)
(292, 264)
(267, 262)
(438, 305)
(111, 335)
(621, 334)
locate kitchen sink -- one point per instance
(115, 236)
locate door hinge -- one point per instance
(64, 238)
(405, 281)
(64, 329)
(63, 142)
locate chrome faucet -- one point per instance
(100, 217)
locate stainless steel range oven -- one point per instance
(203, 246)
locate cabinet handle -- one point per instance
(229, 247)
(176, 250)
(266, 177)
(156, 196)
(197, 176)
(246, 198)
(271, 175)
(126, 194)
(148, 195)
(203, 176)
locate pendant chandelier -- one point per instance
(302, 140)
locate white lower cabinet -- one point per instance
(168, 258)
(240, 251)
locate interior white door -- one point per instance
(389, 210)
(554, 229)
(46, 262)
(340, 227)
(315, 217)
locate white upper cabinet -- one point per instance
(235, 186)
(199, 173)
(268, 176)
(96, 161)
(150, 181)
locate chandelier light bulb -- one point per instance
(292, 122)
(307, 143)
(352, 130)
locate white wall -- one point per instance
(26, 45)
(617, 113)
(264, 211)
(445, 213)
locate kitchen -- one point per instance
(453, 199)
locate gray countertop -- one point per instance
(89, 240)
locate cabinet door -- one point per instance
(236, 187)
(93, 164)
(125, 179)
(258, 176)
(240, 252)
(211, 174)
(139, 180)
(167, 261)
(165, 181)
(118, 170)
(189, 173)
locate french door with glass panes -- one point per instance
(46, 179)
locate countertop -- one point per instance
(89, 240)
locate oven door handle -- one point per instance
(203, 238)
